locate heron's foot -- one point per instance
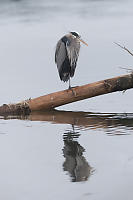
(73, 92)
(72, 87)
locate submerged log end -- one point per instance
(21, 108)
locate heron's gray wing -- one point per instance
(60, 54)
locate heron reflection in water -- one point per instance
(66, 55)
(75, 163)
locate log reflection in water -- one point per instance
(108, 122)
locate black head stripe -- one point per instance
(75, 34)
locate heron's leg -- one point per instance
(70, 88)
(69, 83)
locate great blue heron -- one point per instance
(66, 55)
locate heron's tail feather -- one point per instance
(64, 77)
(64, 70)
(72, 71)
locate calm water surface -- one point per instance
(80, 151)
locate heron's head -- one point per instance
(77, 36)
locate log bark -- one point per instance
(53, 100)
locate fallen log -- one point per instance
(53, 100)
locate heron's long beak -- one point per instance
(83, 41)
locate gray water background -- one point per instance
(63, 154)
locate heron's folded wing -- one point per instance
(60, 54)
